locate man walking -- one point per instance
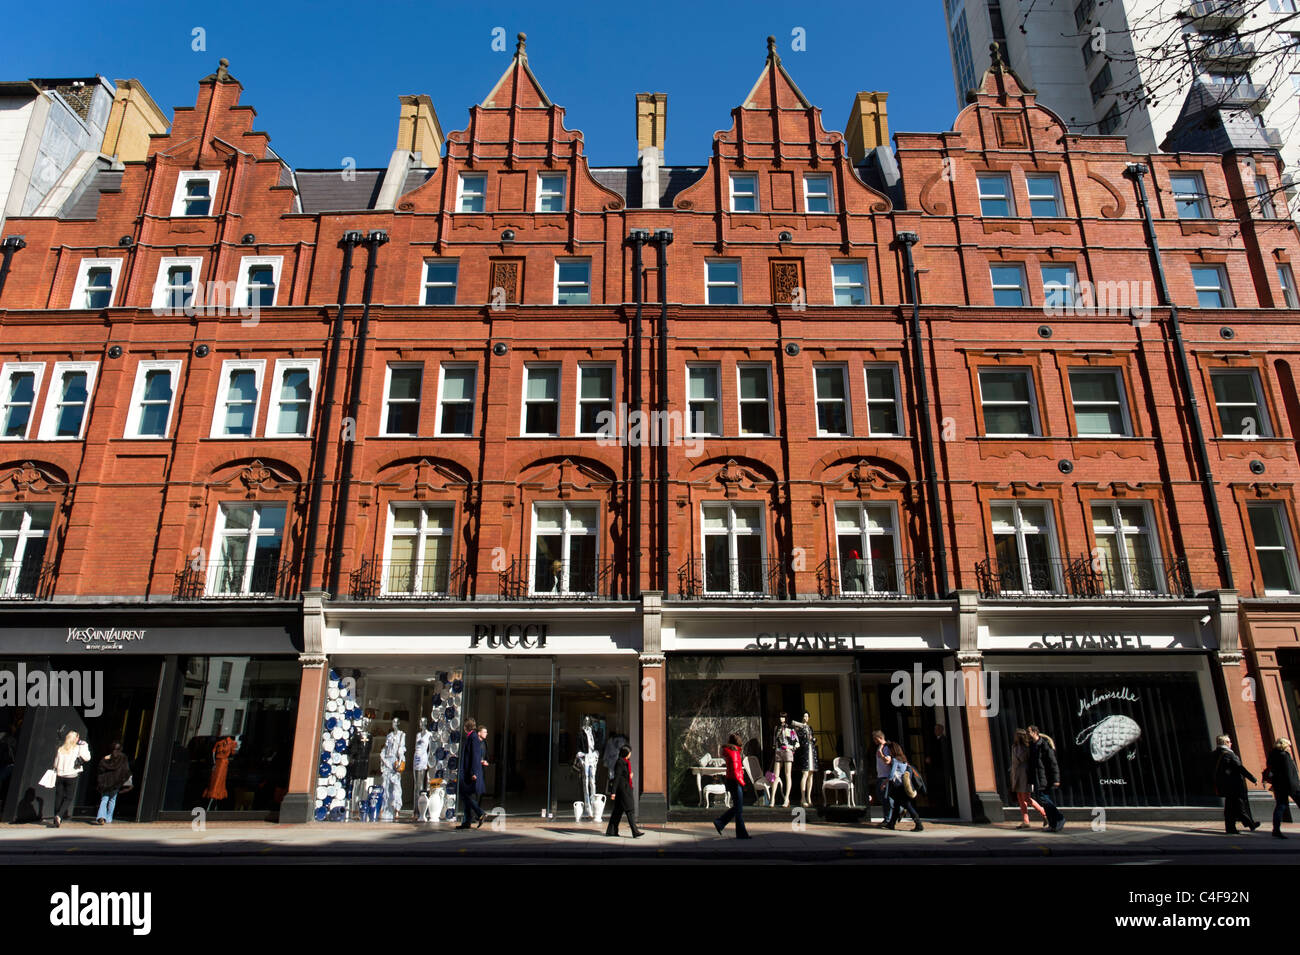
(472, 777)
(1230, 783)
(883, 771)
(624, 795)
(1045, 775)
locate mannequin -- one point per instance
(359, 745)
(590, 759)
(420, 770)
(222, 750)
(392, 762)
(785, 741)
(806, 759)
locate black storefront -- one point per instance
(204, 703)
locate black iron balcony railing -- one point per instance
(234, 579)
(1084, 577)
(757, 577)
(857, 579)
(543, 579)
(26, 580)
(408, 580)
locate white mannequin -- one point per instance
(590, 760)
(785, 767)
(390, 759)
(420, 770)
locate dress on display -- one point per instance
(222, 750)
(805, 758)
(423, 743)
(394, 752)
(784, 742)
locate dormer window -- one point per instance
(96, 283)
(195, 194)
(550, 192)
(471, 192)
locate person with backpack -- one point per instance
(1230, 782)
(1045, 777)
(905, 785)
(1281, 775)
(735, 783)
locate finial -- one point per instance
(222, 69)
(519, 47)
(996, 63)
(771, 46)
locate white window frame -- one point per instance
(847, 401)
(1126, 422)
(1115, 528)
(863, 286)
(1223, 288)
(82, 286)
(689, 426)
(897, 399)
(312, 367)
(388, 385)
(865, 535)
(1261, 408)
(1032, 399)
(421, 536)
(1067, 299)
(242, 283)
(161, 302)
(427, 283)
(1022, 286)
(9, 369)
(23, 535)
(742, 401)
(1022, 553)
(734, 193)
(461, 192)
(579, 401)
(566, 550)
(134, 411)
(258, 367)
(473, 399)
(572, 285)
(50, 413)
(1055, 182)
(829, 195)
(1286, 279)
(558, 402)
(543, 194)
(738, 285)
(733, 562)
(1202, 200)
(1283, 521)
(180, 207)
(1008, 196)
(254, 531)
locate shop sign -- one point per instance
(1091, 641)
(106, 638)
(509, 636)
(816, 642)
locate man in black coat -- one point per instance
(1045, 776)
(1284, 779)
(472, 782)
(624, 795)
(1230, 783)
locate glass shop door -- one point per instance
(514, 697)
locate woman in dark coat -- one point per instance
(624, 795)
(472, 782)
(114, 771)
(1230, 783)
(1281, 775)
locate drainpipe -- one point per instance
(638, 238)
(374, 239)
(1137, 171)
(11, 244)
(906, 240)
(349, 242)
(663, 238)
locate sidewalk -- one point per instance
(521, 839)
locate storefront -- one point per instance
(853, 670)
(203, 703)
(1127, 697)
(1272, 632)
(536, 677)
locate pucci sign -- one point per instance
(509, 636)
(104, 638)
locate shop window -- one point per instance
(295, 384)
(995, 195)
(456, 401)
(1024, 548)
(152, 399)
(1129, 558)
(20, 383)
(1007, 398)
(237, 399)
(744, 193)
(96, 283)
(402, 401)
(884, 415)
(831, 395)
(1238, 399)
(849, 282)
(733, 549)
(1274, 547)
(722, 282)
(194, 193)
(440, 281)
(755, 397)
(247, 544)
(704, 400)
(418, 559)
(866, 539)
(572, 281)
(24, 531)
(541, 401)
(470, 191)
(565, 539)
(550, 192)
(1044, 196)
(1100, 408)
(817, 194)
(1189, 195)
(595, 399)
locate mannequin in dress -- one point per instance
(785, 741)
(359, 745)
(224, 748)
(392, 762)
(420, 770)
(590, 759)
(806, 759)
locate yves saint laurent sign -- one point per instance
(130, 638)
(106, 638)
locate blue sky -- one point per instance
(325, 77)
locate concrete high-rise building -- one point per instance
(1126, 66)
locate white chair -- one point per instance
(833, 782)
(762, 787)
(716, 789)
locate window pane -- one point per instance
(543, 384)
(703, 384)
(1265, 528)
(403, 419)
(1008, 421)
(1099, 421)
(158, 385)
(1094, 386)
(598, 383)
(883, 418)
(880, 383)
(753, 383)
(458, 384)
(1234, 388)
(754, 419)
(574, 272)
(404, 383)
(542, 419)
(1004, 386)
(457, 419)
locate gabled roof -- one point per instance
(765, 93)
(517, 86)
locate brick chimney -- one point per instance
(651, 130)
(868, 125)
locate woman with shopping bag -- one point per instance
(66, 771)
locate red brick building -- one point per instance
(276, 512)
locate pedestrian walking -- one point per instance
(1045, 777)
(1020, 784)
(883, 759)
(1230, 782)
(114, 778)
(68, 762)
(473, 782)
(1281, 775)
(905, 784)
(624, 795)
(735, 783)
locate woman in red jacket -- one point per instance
(736, 787)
